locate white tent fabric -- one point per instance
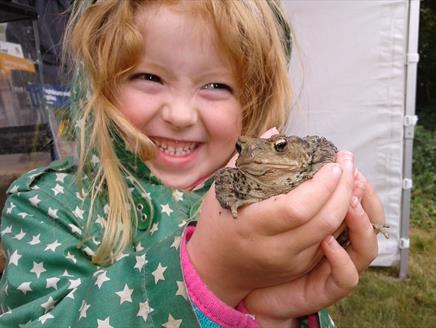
(349, 75)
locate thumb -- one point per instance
(269, 133)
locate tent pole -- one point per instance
(410, 120)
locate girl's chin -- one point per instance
(174, 178)
(176, 181)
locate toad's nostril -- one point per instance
(238, 147)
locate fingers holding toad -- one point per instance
(272, 241)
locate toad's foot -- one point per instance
(383, 228)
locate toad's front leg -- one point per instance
(232, 190)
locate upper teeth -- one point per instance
(175, 149)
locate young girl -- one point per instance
(113, 241)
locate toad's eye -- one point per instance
(238, 147)
(281, 145)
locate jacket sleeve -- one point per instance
(51, 281)
(209, 309)
(48, 275)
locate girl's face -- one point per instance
(183, 95)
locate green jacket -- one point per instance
(50, 280)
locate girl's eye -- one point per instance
(147, 77)
(218, 86)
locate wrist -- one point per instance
(214, 273)
(273, 323)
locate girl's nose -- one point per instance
(180, 114)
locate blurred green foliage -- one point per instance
(426, 86)
(424, 159)
(423, 214)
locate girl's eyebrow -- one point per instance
(221, 73)
(218, 69)
(209, 74)
(149, 66)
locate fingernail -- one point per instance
(348, 161)
(354, 201)
(359, 198)
(275, 130)
(359, 185)
(332, 243)
(336, 170)
(269, 133)
(358, 209)
(347, 155)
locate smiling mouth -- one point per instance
(175, 147)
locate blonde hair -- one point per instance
(106, 46)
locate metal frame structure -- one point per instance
(10, 12)
(410, 119)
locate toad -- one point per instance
(273, 166)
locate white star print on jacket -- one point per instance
(50, 279)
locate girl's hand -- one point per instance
(334, 277)
(274, 241)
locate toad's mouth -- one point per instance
(175, 148)
(260, 168)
